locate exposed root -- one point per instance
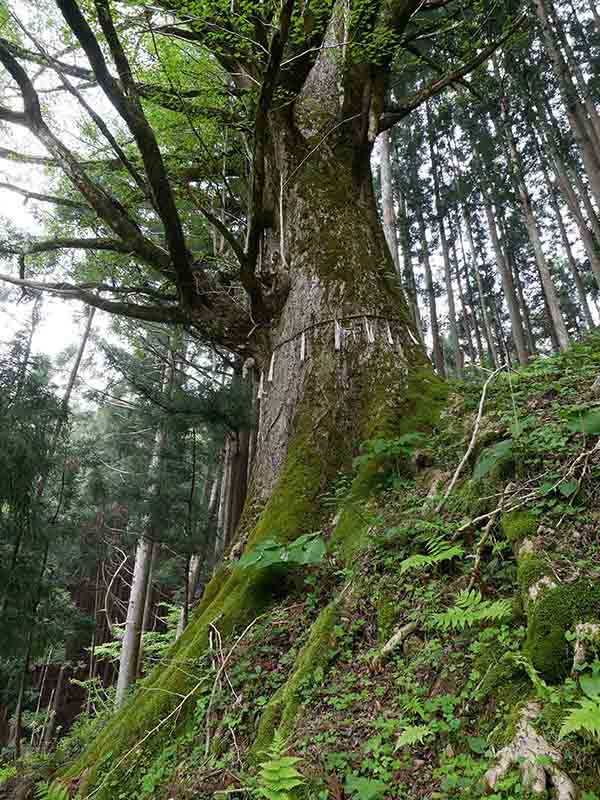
(538, 761)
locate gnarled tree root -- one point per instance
(524, 752)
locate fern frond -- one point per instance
(439, 550)
(471, 609)
(413, 734)
(278, 774)
(585, 719)
(51, 791)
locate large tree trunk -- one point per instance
(341, 362)
(344, 312)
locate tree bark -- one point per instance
(438, 355)
(487, 328)
(510, 296)
(130, 648)
(593, 120)
(589, 322)
(387, 197)
(470, 294)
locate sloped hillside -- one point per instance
(454, 653)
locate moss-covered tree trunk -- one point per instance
(340, 362)
(342, 338)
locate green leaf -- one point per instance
(492, 456)
(586, 423)
(568, 488)
(365, 788)
(478, 744)
(590, 685)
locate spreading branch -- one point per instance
(391, 116)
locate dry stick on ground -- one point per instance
(486, 532)
(176, 710)
(466, 456)
(218, 677)
(534, 494)
(399, 636)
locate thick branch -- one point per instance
(107, 208)
(256, 211)
(171, 315)
(129, 107)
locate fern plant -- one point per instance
(586, 717)
(583, 719)
(438, 550)
(413, 734)
(51, 791)
(278, 775)
(471, 609)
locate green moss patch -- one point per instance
(557, 611)
(519, 525)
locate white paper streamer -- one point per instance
(338, 336)
(261, 385)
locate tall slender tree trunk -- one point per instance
(534, 235)
(410, 283)
(466, 315)
(593, 120)
(576, 114)
(595, 14)
(440, 214)
(487, 328)
(518, 335)
(470, 293)
(567, 246)
(438, 355)
(130, 647)
(54, 709)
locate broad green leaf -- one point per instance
(365, 788)
(589, 423)
(492, 456)
(567, 488)
(590, 685)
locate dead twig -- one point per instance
(467, 455)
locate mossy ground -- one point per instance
(309, 666)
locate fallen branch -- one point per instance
(397, 639)
(467, 455)
(218, 677)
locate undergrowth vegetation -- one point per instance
(405, 672)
